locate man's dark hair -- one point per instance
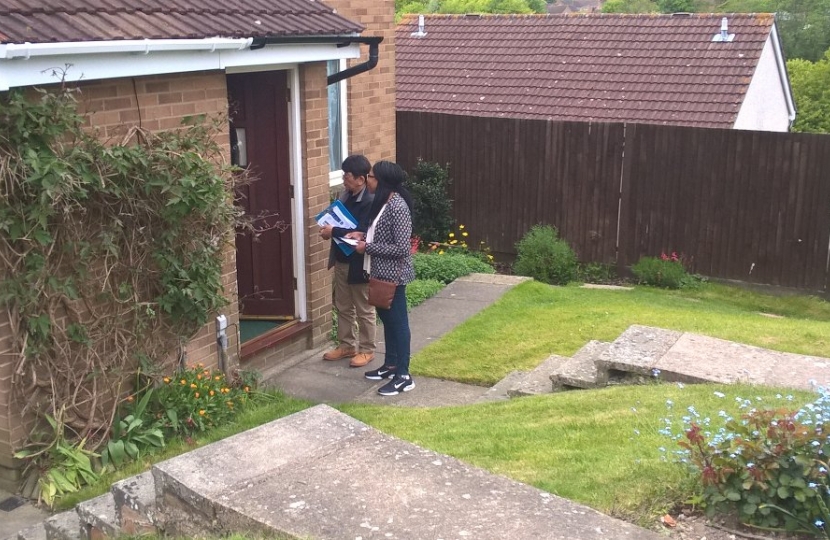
(357, 164)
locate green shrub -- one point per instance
(545, 257)
(432, 207)
(447, 267)
(196, 399)
(597, 272)
(769, 465)
(421, 290)
(666, 271)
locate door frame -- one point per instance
(295, 153)
(295, 143)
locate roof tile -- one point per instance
(42, 21)
(647, 68)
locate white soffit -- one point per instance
(41, 64)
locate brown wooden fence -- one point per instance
(745, 205)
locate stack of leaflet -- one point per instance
(337, 215)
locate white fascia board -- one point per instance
(75, 62)
(782, 72)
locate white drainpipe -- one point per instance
(145, 46)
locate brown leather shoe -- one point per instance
(339, 353)
(361, 359)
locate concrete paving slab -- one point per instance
(701, 358)
(538, 380)
(638, 349)
(63, 526)
(428, 392)
(246, 457)
(34, 532)
(501, 390)
(583, 369)
(801, 372)
(372, 485)
(20, 517)
(135, 504)
(100, 514)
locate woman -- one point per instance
(388, 257)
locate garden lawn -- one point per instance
(598, 447)
(533, 320)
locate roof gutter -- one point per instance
(341, 41)
(142, 46)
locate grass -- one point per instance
(534, 320)
(598, 447)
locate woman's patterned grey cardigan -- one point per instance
(391, 246)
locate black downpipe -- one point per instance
(342, 41)
(360, 68)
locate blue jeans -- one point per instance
(396, 332)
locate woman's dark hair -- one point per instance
(356, 164)
(390, 177)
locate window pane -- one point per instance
(335, 120)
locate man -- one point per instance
(351, 289)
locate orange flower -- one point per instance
(199, 377)
(202, 412)
(211, 392)
(196, 394)
(130, 399)
(217, 378)
(192, 385)
(167, 380)
(184, 382)
(247, 388)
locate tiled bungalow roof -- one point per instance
(662, 69)
(43, 21)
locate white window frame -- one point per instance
(336, 176)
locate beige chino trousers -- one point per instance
(352, 303)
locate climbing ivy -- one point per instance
(110, 252)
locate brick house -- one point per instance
(151, 63)
(592, 67)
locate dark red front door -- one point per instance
(259, 129)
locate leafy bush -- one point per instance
(421, 290)
(545, 257)
(667, 271)
(449, 266)
(432, 207)
(60, 465)
(196, 399)
(136, 431)
(769, 466)
(456, 242)
(596, 272)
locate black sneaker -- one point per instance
(383, 372)
(401, 383)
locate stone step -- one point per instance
(63, 526)
(322, 474)
(638, 349)
(98, 519)
(35, 532)
(135, 504)
(581, 370)
(538, 380)
(500, 390)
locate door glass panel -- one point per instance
(239, 147)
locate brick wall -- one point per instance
(372, 94)
(113, 106)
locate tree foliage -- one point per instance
(811, 89)
(403, 7)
